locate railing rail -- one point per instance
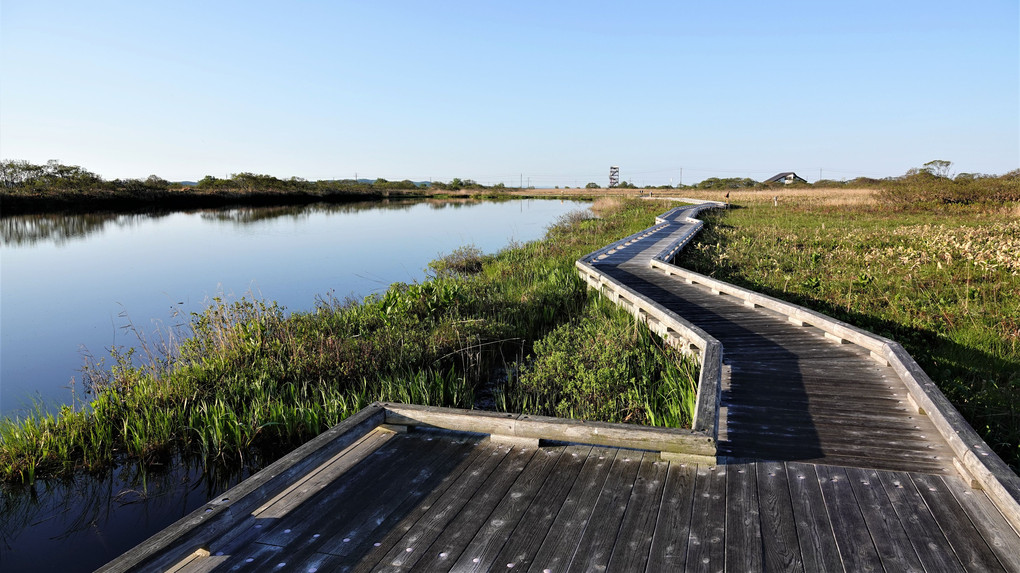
(973, 458)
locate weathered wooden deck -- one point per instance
(428, 501)
(789, 393)
(816, 448)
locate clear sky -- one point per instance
(552, 92)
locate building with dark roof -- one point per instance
(786, 178)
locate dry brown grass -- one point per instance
(799, 196)
(606, 206)
(579, 192)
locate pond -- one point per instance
(76, 285)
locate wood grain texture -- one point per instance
(668, 550)
(743, 522)
(634, 541)
(706, 546)
(780, 548)
(933, 548)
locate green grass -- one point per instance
(603, 365)
(251, 382)
(944, 282)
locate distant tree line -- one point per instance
(934, 184)
(19, 175)
(25, 186)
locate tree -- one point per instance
(939, 168)
(592, 185)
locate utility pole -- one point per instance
(521, 186)
(680, 182)
(819, 173)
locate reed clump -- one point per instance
(602, 365)
(250, 381)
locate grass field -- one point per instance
(944, 282)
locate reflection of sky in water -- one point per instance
(69, 289)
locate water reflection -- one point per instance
(62, 228)
(92, 517)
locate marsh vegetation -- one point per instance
(250, 382)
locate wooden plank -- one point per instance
(706, 547)
(474, 516)
(964, 538)
(737, 413)
(778, 529)
(856, 548)
(634, 541)
(355, 524)
(672, 529)
(313, 482)
(414, 544)
(561, 542)
(743, 524)
(486, 544)
(804, 389)
(595, 548)
(851, 433)
(306, 492)
(806, 455)
(890, 539)
(526, 539)
(906, 450)
(814, 530)
(931, 545)
(995, 530)
(481, 461)
(555, 429)
(322, 539)
(254, 557)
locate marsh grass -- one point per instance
(602, 365)
(249, 382)
(943, 282)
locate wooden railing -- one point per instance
(674, 329)
(974, 459)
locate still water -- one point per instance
(75, 285)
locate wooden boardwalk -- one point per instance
(789, 393)
(426, 501)
(809, 454)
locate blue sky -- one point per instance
(554, 92)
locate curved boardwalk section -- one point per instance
(816, 447)
(788, 391)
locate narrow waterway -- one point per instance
(76, 285)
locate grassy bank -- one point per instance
(251, 382)
(943, 280)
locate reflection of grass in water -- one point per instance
(945, 284)
(250, 383)
(85, 510)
